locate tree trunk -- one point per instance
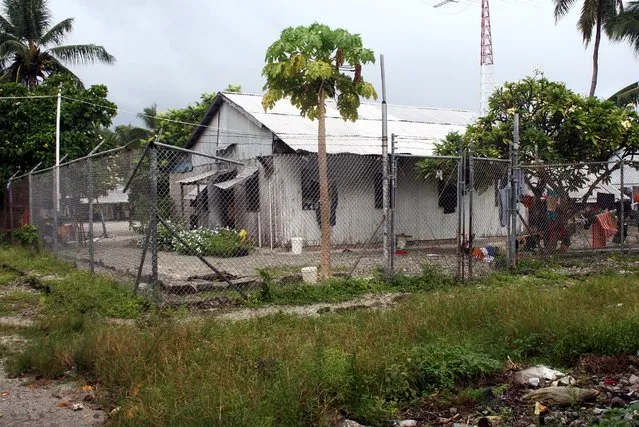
(325, 200)
(595, 54)
(104, 228)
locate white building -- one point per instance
(274, 195)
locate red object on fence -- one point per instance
(603, 228)
(25, 217)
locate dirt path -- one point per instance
(368, 301)
(27, 402)
(44, 404)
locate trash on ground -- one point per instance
(561, 395)
(541, 372)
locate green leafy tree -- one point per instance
(27, 126)
(596, 15)
(310, 65)
(31, 47)
(177, 124)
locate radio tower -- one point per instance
(486, 59)
(486, 54)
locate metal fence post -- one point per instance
(153, 219)
(471, 185)
(459, 220)
(56, 171)
(30, 182)
(387, 236)
(11, 210)
(514, 185)
(622, 225)
(90, 200)
(393, 192)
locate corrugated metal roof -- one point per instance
(246, 173)
(417, 128)
(200, 177)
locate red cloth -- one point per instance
(25, 217)
(603, 228)
(528, 201)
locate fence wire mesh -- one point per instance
(572, 208)
(188, 226)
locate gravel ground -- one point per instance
(45, 404)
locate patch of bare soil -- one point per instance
(28, 401)
(369, 301)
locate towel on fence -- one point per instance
(503, 202)
(552, 201)
(603, 228)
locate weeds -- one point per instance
(285, 370)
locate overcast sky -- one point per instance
(170, 51)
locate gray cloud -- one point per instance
(169, 52)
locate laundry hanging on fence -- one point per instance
(334, 200)
(603, 228)
(503, 205)
(447, 196)
(552, 202)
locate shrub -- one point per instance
(27, 236)
(219, 242)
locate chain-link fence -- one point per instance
(182, 224)
(572, 208)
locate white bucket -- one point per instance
(296, 245)
(309, 274)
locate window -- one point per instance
(253, 193)
(447, 196)
(310, 190)
(379, 191)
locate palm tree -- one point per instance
(31, 48)
(626, 28)
(149, 117)
(595, 15)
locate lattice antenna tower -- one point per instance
(487, 81)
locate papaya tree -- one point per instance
(310, 65)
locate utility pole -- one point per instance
(57, 149)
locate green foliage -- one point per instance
(27, 236)
(176, 123)
(307, 60)
(440, 366)
(31, 45)
(27, 126)
(556, 126)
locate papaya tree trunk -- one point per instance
(324, 197)
(595, 54)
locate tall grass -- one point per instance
(288, 371)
